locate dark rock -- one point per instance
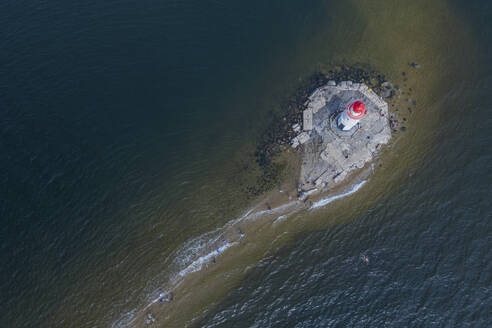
(279, 131)
(388, 94)
(387, 85)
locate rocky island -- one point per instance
(334, 129)
(330, 150)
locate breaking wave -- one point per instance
(328, 200)
(198, 252)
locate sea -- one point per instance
(127, 139)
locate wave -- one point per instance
(198, 252)
(205, 259)
(326, 201)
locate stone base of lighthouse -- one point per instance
(329, 153)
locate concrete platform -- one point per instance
(330, 154)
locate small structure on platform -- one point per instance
(343, 127)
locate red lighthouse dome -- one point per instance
(356, 110)
(347, 119)
(359, 106)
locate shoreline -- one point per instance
(189, 307)
(165, 233)
(236, 234)
(211, 250)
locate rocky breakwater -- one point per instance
(328, 153)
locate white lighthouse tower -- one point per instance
(347, 119)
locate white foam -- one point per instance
(195, 266)
(326, 201)
(280, 218)
(125, 320)
(192, 248)
(198, 263)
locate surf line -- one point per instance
(199, 244)
(197, 265)
(194, 266)
(328, 200)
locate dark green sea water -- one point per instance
(125, 127)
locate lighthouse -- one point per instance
(348, 118)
